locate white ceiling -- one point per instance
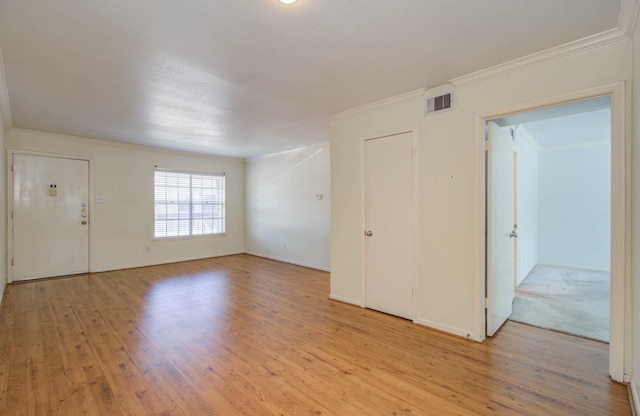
(249, 77)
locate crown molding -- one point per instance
(628, 17)
(114, 143)
(377, 104)
(5, 108)
(590, 42)
(288, 152)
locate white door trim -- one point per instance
(619, 346)
(9, 195)
(414, 216)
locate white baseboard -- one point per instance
(573, 266)
(136, 265)
(210, 256)
(345, 300)
(297, 263)
(449, 329)
(633, 398)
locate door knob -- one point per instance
(368, 233)
(513, 234)
(84, 223)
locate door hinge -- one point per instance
(486, 145)
(12, 262)
(413, 291)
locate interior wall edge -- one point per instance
(634, 283)
(4, 207)
(297, 149)
(5, 105)
(628, 17)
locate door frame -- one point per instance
(9, 166)
(414, 214)
(619, 345)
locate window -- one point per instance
(188, 204)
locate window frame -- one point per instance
(221, 196)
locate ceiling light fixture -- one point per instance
(287, 1)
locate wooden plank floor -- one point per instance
(242, 335)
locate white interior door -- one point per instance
(500, 222)
(50, 216)
(389, 225)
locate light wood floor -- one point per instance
(241, 335)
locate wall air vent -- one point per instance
(438, 103)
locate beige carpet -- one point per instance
(566, 300)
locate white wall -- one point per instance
(635, 383)
(449, 284)
(575, 207)
(122, 227)
(527, 203)
(284, 220)
(3, 211)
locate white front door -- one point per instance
(50, 216)
(389, 225)
(500, 224)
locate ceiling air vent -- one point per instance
(438, 103)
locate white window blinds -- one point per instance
(188, 204)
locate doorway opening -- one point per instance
(619, 209)
(562, 217)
